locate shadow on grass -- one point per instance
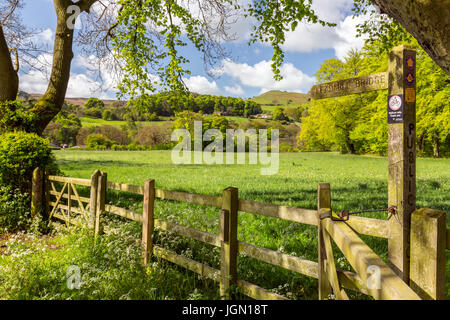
(92, 163)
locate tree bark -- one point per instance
(436, 151)
(350, 146)
(427, 21)
(421, 143)
(9, 80)
(51, 102)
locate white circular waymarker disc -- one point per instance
(395, 103)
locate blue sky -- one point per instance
(245, 73)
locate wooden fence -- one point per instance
(429, 238)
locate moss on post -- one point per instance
(229, 247)
(93, 199)
(148, 220)
(101, 199)
(323, 202)
(37, 193)
(428, 245)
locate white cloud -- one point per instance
(90, 66)
(80, 84)
(235, 90)
(332, 10)
(313, 37)
(33, 82)
(36, 80)
(329, 10)
(346, 31)
(45, 37)
(260, 76)
(310, 38)
(200, 84)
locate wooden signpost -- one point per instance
(345, 87)
(401, 155)
(400, 80)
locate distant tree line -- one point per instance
(151, 107)
(167, 104)
(66, 127)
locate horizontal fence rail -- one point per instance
(194, 198)
(81, 182)
(306, 267)
(344, 234)
(124, 213)
(73, 197)
(362, 225)
(189, 232)
(304, 216)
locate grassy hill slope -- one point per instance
(75, 101)
(275, 97)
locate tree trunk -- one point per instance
(427, 21)
(350, 146)
(421, 143)
(52, 101)
(9, 80)
(436, 145)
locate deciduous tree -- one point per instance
(143, 38)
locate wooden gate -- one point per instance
(407, 248)
(74, 206)
(374, 276)
(63, 201)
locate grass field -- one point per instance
(357, 182)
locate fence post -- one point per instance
(401, 155)
(229, 246)
(101, 199)
(93, 199)
(46, 213)
(323, 201)
(148, 220)
(36, 193)
(428, 245)
(69, 199)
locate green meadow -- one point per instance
(357, 183)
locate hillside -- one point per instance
(268, 99)
(75, 101)
(275, 97)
